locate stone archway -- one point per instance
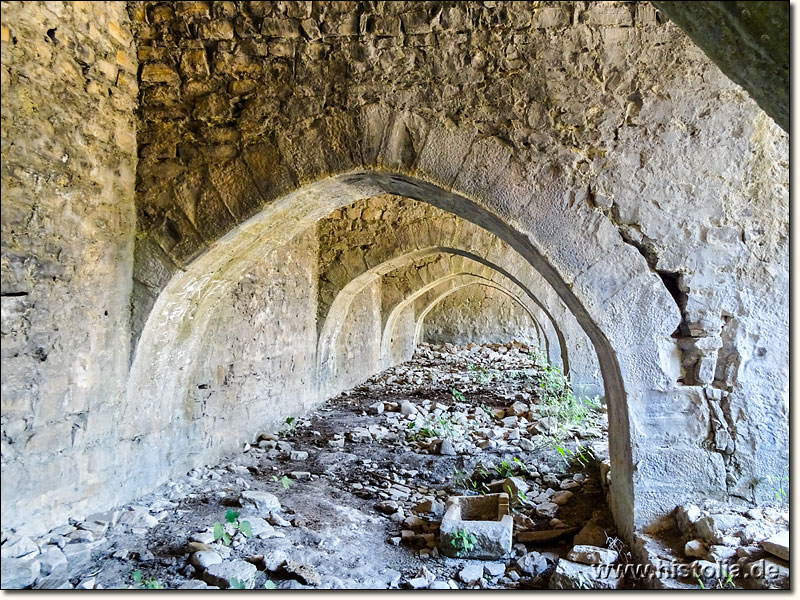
(452, 282)
(338, 310)
(625, 310)
(438, 299)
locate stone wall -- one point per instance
(69, 91)
(479, 314)
(257, 366)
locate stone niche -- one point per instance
(484, 520)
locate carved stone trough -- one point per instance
(484, 521)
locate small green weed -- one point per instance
(463, 541)
(288, 426)
(232, 518)
(282, 483)
(145, 584)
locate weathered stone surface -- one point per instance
(221, 574)
(19, 573)
(591, 535)
(778, 545)
(592, 555)
(263, 502)
(290, 108)
(205, 558)
(574, 576)
(532, 563)
(486, 518)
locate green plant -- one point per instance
(238, 584)
(288, 427)
(284, 482)
(457, 395)
(463, 541)
(582, 454)
(504, 469)
(145, 584)
(777, 483)
(232, 518)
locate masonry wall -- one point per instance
(69, 91)
(258, 365)
(358, 345)
(478, 314)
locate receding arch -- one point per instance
(421, 319)
(391, 321)
(326, 353)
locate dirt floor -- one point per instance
(351, 495)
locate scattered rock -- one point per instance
(18, 573)
(221, 574)
(205, 558)
(471, 573)
(592, 555)
(778, 545)
(695, 549)
(495, 569)
(263, 502)
(305, 573)
(590, 535)
(573, 576)
(532, 563)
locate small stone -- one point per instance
(695, 549)
(137, 519)
(18, 573)
(52, 561)
(387, 507)
(446, 448)
(471, 573)
(592, 555)
(778, 545)
(205, 558)
(495, 569)
(193, 584)
(546, 510)
(532, 563)
(571, 575)
(408, 408)
(590, 535)
(278, 521)
(298, 455)
(263, 502)
(81, 535)
(221, 574)
(300, 475)
(21, 546)
(561, 498)
(306, 573)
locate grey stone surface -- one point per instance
(221, 574)
(592, 555)
(226, 202)
(264, 503)
(18, 573)
(574, 576)
(778, 544)
(205, 558)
